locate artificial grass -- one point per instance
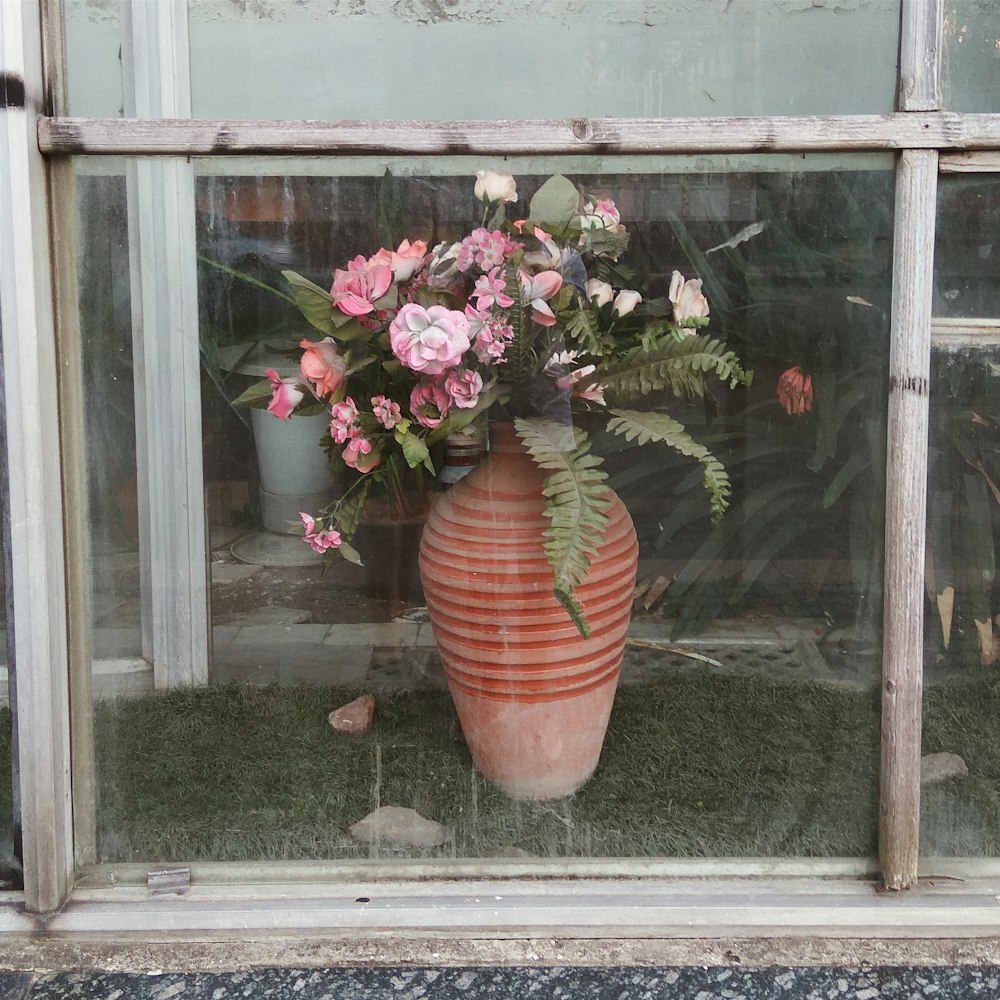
(694, 765)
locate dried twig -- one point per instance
(676, 650)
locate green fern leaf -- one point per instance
(680, 365)
(645, 427)
(576, 504)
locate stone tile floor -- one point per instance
(691, 983)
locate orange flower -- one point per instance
(795, 391)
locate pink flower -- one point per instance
(319, 541)
(344, 422)
(355, 290)
(430, 340)
(795, 391)
(285, 395)
(464, 387)
(386, 411)
(429, 403)
(358, 454)
(565, 381)
(484, 248)
(491, 340)
(537, 288)
(687, 297)
(322, 366)
(489, 291)
(404, 261)
(601, 214)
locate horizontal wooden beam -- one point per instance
(970, 163)
(190, 137)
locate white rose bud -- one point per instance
(495, 185)
(625, 301)
(600, 290)
(688, 300)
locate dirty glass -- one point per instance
(10, 848)
(971, 65)
(961, 765)
(382, 59)
(744, 718)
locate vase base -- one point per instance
(537, 751)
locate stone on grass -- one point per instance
(395, 825)
(936, 768)
(355, 716)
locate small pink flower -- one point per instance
(355, 290)
(430, 340)
(429, 403)
(464, 387)
(491, 340)
(285, 395)
(358, 454)
(319, 541)
(386, 411)
(537, 288)
(344, 420)
(795, 391)
(322, 366)
(489, 291)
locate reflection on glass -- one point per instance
(630, 58)
(746, 718)
(962, 630)
(971, 76)
(10, 848)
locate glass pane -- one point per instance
(971, 75)
(959, 811)
(746, 718)
(629, 58)
(92, 38)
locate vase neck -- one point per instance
(504, 439)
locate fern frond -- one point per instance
(643, 427)
(577, 500)
(680, 365)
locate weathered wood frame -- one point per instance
(919, 130)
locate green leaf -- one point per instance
(414, 450)
(576, 505)
(644, 427)
(680, 365)
(350, 553)
(258, 395)
(314, 303)
(555, 203)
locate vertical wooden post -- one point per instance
(165, 335)
(906, 504)
(906, 484)
(37, 584)
(920, 50)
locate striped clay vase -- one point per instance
(533, 696)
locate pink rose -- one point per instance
(429, 403)
(285, 395)
(355, 290)
(322, 366)
(463, 387)
(431, 340)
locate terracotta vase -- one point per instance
(533, 696)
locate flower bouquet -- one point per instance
(529, 319)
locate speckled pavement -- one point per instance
(697, 983)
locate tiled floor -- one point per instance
(691, 983)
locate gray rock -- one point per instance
(354, 717)
(395, 825)
(936, 768)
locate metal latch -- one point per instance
(168, 880)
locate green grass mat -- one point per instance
(693, 765)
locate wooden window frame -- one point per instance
(576, 899)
